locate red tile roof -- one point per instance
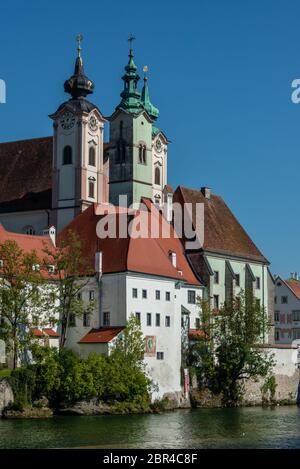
(294, 285)
(222, 231)
(46, 331)
(101, 336)
(50, 332)
(26, 174)
(196, 333)
(144, 255)
(27, 242)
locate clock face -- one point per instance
(158, 146)
(93, 123)
(67, 121)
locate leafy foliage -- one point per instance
(23, 301)
(64, 377)
(70, 269)
(228, 351)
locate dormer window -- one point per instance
(36, 267)
(29, 229)
(173, 258)
(67, 155)
(92, 156)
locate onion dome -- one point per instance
(79, 85)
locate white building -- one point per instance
(287, 310)
(149, 278)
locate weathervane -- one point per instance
(79, 39)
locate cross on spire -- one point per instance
(79, 39)
(131, 38)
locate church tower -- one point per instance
(130, 152)
(79, 173)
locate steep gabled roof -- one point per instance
(26, 174)
(223, 233)
(144, 255)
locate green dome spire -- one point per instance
(131, 97)
(148, 106)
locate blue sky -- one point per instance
(219, 71)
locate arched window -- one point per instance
(91, 188)
(92, 156)
(67, 155)
(142, 154)
(157, 176)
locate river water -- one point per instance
(199, 428)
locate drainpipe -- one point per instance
(98, 270)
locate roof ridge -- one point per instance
(49, 137)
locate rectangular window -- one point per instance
(138, 317)
(216, 276)
(168, 296)
(276, 316)
(197, 323)
(277, 334)
(284, 300)
(91, 189)
(86, 320)
(157, 319)
(275, 299)
(92, 295)
(296, 315)
(216, 301)
(79, 296)
(72, 320)
(134, 293)
(149, 319)
(168, 321)
(157, 294)
(144, 294)
(296, 334)
(160, 355)
(237, 280)
(257, 283)
(106, 318)
(191, 297)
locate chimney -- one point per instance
(206, 191)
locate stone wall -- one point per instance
(6, 395)
(287, 376)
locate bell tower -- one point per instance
(79, 174)
(130, 143)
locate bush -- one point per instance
(64, 377)
(22, 381)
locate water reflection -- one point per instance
(201, 428)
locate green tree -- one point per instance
(229, 351)
(23, 299)
(71, 276)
